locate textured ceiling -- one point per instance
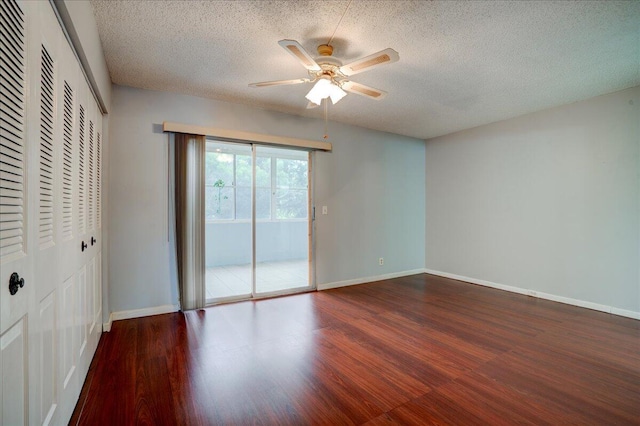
(462, 64)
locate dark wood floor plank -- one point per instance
(495, 403)
(445, 352)
(602, 404)
(308, 384)
(114, 372)
(412, 350)
(153, 397)
(386, 389)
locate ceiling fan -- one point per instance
(331, 78)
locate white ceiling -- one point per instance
(462, 64)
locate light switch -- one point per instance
(324, 209)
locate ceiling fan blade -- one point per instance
(362, 90)
(382, 57)
(280, 82)
(298, 52)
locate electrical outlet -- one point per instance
(381, 261)
(324, 209)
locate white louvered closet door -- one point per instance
(70, 252)
(94, 237)
(50, 167)
(89, 269)
(15, 249)
(48, 137)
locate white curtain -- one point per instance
(189, 156)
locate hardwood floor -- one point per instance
(412, 350)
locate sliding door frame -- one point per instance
(255, 295)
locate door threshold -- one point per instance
(271, 295)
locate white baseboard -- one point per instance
(107, 325)
(625, 313)
(144, 312)
(540, 295)
(327, 286)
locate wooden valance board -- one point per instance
(237, 135)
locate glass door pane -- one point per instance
(282, 220)
(228, 232)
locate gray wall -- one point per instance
(549, 201)
(229, 243)
(82, 28)
(373, 184)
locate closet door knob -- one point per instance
(15, 283)
(83, 246)
(93, 241)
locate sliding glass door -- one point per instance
(228, 234)
(257, 237)
(282, 233)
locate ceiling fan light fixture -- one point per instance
(336, 93)
(323, 89)
(319, 91)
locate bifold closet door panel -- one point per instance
(70, 252)
(17, 192)
(15, 249)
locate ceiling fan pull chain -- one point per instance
(326, 106)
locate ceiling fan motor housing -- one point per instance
(325, 50)
(330, 65)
